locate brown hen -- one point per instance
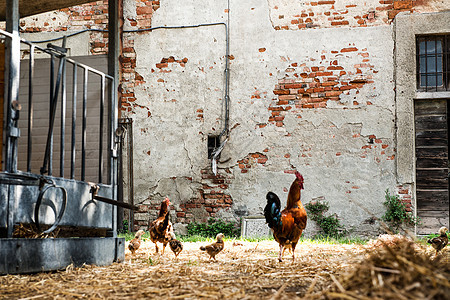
(135, 243)
(175, 245)
(440, 241)
(214, 248)
(161, 228)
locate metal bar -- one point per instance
(418, 72)
(74, 120)
(445, 63)
(83, 129)
(63, 117)
(30, 108)
(100, 148)
(12, 71)
(49, 145)
(436, 62)
(116, 203)
(52, 89)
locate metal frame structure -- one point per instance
(50, 201)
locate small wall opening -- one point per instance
(213, 143)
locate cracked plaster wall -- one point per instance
(345, 151)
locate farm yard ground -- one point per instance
(250, 270)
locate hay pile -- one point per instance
(245, 270)
(395, 267)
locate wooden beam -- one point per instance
(29, 8)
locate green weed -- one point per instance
(396, 214)
(330, 225)
(213, 227)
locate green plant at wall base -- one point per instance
(124, 228)
(330, 225)
(396, 213)
(213, 227)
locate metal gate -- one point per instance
(60, 159)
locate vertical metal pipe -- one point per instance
(30, 108)
(83, 128)
(120, 198)
(100, 148)
(74, 119)
(130, 168)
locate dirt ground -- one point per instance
(243, 270)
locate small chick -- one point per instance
(214, 248)
(136, 242)
(175, 245)
(440, 241)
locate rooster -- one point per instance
(135, 243)
(288, 224)
(440, 241)
(161, 228)
(175, 245)
(214, 248)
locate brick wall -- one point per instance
(212, 196)
(405, 195)
(314, 83)
(289, 15)
(129, 77)
(92, 15)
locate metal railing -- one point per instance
(64, 119)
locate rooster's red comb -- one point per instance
(298, 175)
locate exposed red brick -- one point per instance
(142, 10)
(393, 13)
(281, 92)
(403, 4)
(162, 65)
(350, 49)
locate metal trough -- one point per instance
(74, 215)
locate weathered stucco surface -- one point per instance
(313, 87)
(344, 150)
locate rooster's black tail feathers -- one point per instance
(272, 211)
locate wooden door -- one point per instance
(432, 164)
(2, 92)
